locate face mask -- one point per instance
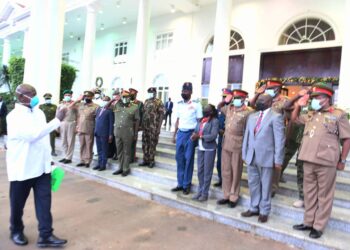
(150, 95)
(48, 101)
(86, 100)
(67, 98)
(103, 104)
(206, 113)
(270, 92)
(33, 100)
(132, 97)
(114, 96)
(237, 103)
(260, 106)
(186, 97)
(316, 104)
(126, 100)
(97, 96)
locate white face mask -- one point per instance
(48, 101)
(67, 98)
(150, 95)
(103, 104)
(97, 96)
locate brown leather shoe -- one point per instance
(263, 218)
(249, 213)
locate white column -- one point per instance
(251, 70)
(140, 59)
(219, 67)
(44, 47)
(6, 51)
(88, 51)
(344, 86)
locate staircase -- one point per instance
(155, 184)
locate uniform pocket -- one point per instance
(328, 150)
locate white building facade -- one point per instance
(145, 44)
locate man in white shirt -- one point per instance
(28, 161)
(188, 113)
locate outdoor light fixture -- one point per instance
(124, 20)
(78, 18)
(172, 8)
(118, 4)
(71, 35)
(102, 27)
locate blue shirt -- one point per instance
(188, 114)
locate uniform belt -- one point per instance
(186, 130)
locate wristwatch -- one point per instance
(342, 161)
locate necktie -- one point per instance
(258, 123)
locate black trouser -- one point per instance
(19, 192)
(166, 117)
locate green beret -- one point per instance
(68, 91)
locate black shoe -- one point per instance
(144, 163)
(19, 239)
(187, 190)
(232, 204)
(53, 154)
(315, 234)
(96, 167)
(80, 164)
(126, 173)
(87, 165)
(273, 193)
(67, 161)
(218, 184)
(118, 172)
(63, 160)
(223, 201)
(51, 241)
(102, 169)
(152, 164)
(302, 227)
(176, 189)
(263, 218)
(249, 213)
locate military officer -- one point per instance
(325, 128)
(68, 126)
(153, 112)
(49, 110)
(139, 104)
(232, 164)
(86, 126)
(126, 126)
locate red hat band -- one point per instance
(323, 91)
(274, 84)
(239, 93)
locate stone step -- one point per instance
(277, 228)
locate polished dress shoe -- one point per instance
(51, 241)
(118, 172)
(19, 239)
(102, 169)
(80, 164)
(223, 202)
(218, 184)
(315, 234)
(87, 165)
(62, 160)
(126, 173)
(176, 189)
(187, 190)
(144, 163)
(249, 213)
(196, 196)
(53, 154)
(96, 167)
(263, 218)
(302, 227)
(232, 204)
(151, 164)
(67, 161)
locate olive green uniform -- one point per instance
(153, 112)
(125, 118)
(139, 105)
(50, 113)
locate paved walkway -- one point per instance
(96, 217)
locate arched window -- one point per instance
(236, 42)
(307, 30)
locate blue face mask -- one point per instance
(34, 101)
(271, 92)
(67, 98)
(316, 104)
(237, 103)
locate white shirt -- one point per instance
(188, 113)
(28, 144)
(200, 143)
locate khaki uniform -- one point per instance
(320, 151)
(68, 130)
(125, 117)
(50, 113)
(153, 112)
(232, 163)
(85, 128)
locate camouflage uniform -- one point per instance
(153, 112)
(50, 113)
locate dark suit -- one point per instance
(3, 114)
(103, 129)
(168, 111)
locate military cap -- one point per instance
(152, 90)
(67, 91)
(97, 91)
(187, 86)
(116, 92)
(322, 88)
(47, 96)
(125, 93)
(88, 93)
(239, 93)
(226, 92)
(273, 84)
(131, 90)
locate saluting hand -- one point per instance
(61, 114)
(261, 89)
(228, 98)
(303, 100)
(303, 92)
